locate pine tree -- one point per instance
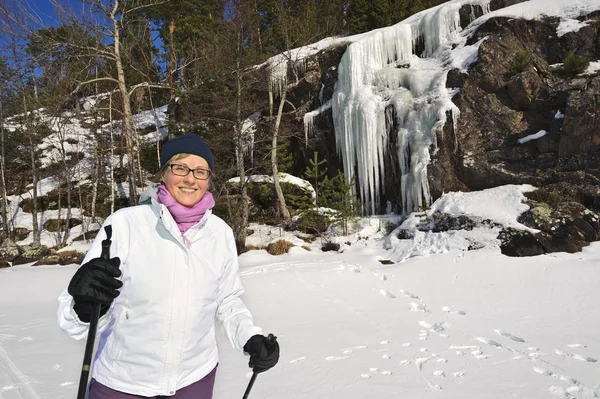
(315, 172)
(337, 194)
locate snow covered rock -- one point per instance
(9, 250)
(298, 192)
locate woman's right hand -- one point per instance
(95, 283)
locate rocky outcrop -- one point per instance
(498, 111)
(503, 101)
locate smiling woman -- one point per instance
(179, 272)
(186, 166)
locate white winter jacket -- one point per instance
(159, 334)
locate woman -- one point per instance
(173, 272)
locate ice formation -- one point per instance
(310, 116)
(392, 81)
(385, 89)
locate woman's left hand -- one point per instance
(263, 351)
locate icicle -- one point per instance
(248, 132)
(380, 70)
(309, 119)
(277, 69)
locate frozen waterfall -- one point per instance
(382, 83)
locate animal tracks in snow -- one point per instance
(575, 356)
(448, 309)
(387, 294)
(409, 295)
(509, 336)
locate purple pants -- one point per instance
(202, 389)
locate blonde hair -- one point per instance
(161, 173)
(174, 158)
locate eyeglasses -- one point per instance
(182, 170)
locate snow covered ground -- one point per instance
(452, 324)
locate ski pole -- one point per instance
(91, 338)
(271, 340)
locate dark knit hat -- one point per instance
(189, 143)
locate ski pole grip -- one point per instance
(106, 243)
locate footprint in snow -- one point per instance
(355, 268)
(26, 339)
(434, 387)
(404, 362)
(386, 356)
(436, 327)
(350, 350)
(479, 355)
(409, 295)
(298, 360)
(387, 294)
(365, 375)
(509, 336)
(57, 367)
(448, 309)
(420, 361)
(575, 356)
(386, 372)
(418, 307)
(559, 391)
(439, 373)
(384, 342)
(490, 342)
(584, 358)
(458, 374)
(67, 384)
(576, 346)
(382, 277)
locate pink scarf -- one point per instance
(185, 217)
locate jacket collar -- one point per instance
(150, 197)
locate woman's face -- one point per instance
(187, 190)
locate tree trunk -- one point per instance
(63, 239)
(172, 63)
(110, 160)
(241, 231)
(97, 164)
(258, 38)
(4, 193)
(281, 206)
(158, 136)
(34, 210)
(127, 114)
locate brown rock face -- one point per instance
(524, 88)
(513, 91)
(498, 108)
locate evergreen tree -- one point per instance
(337, 194)
(315, 172)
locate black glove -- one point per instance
(95, 282)
(263, 351)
